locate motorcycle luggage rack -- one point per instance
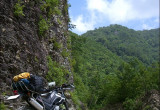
(20, 86)
(23, 87)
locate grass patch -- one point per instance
(56, 72)
(43, 26)
(18, 9)
(65, 53)
(2, 106)
(57, 45)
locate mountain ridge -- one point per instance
(106, 78)
(120, 40)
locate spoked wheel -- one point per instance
(64, 106)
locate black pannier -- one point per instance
(22, 86)
(37, 83)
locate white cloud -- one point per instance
(156, 20)
(116, 12)
(81, 25)
(145, 8)
(99, 5)
(123, 10)
(147, 27)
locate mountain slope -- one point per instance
(103, 77)
(128, 43)
(91, 63)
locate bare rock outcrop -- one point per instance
(22, 48)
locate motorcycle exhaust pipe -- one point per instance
(56, 108)
(35, 104)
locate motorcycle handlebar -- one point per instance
(67, 85)
(72, 86)
(67, 88)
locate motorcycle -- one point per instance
(54, 99)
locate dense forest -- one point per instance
(114, 65)
(128, 43)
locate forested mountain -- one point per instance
(112, 65)
(128, 43)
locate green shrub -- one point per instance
(57, 45)
(52, 3)
(54, 11)
(148, 107)
(65, 53)
(132, 104)
(4, 93)
(57, 11)
(18, 9)
(44, 6)
(56, 72)
(43, 26)
(66, 8)
(69, 42)
(129, 104)
(52, 40)
(2, 106)
(59, 21)
(36, 59)
(51, 6)
(75, 98)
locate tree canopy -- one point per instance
(114, 65)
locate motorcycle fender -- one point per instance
(13, 97)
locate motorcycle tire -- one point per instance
(65, 106)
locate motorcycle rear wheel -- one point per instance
(64, 106)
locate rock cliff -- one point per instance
(30, 31)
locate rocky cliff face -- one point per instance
(28, 34)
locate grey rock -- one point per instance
(22, 48)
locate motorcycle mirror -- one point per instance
(72, 86)
(64, 85)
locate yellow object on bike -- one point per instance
(24, 75)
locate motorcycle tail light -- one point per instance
(15, 92)
(29, 94)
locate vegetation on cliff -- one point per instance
(30, 31)
(18, 9)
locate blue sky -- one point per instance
(134, 14)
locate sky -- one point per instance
(134, 14)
